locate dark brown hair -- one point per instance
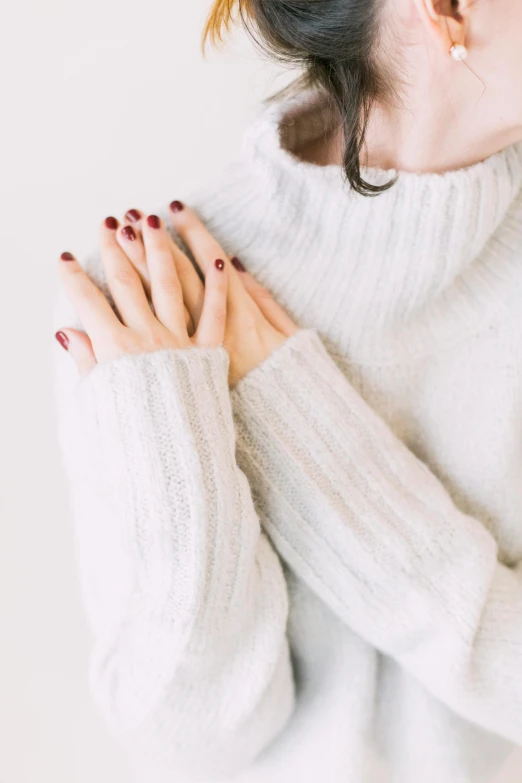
(336, 42)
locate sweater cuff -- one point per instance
(304, 343)
(349, 505)
(158, 428)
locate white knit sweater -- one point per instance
(318, 575)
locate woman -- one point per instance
(297, 489)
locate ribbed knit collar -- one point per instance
(421, 264)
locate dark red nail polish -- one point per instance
(237, 264)
(63, 340)
(176, 206)
(153, 221)
(129, 233)
(111, 222)
(67, 257)
(133, 216)
(219, 263)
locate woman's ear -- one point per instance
(445, 20)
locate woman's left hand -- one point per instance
(255, 324)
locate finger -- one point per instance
(166, 291)
(193, 289)
(192, 286)
(129, 238)
(205, 248)
(79, 346)
(211, 328)
(123, 281)
(272, 310)
(94, 311)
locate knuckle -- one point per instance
(156, 340)
(88, 293)
(218, 314)
(120, 340)
(123, 276)
(169, 284)
(263, 294)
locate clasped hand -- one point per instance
(162, 302)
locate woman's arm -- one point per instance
(375, 534)
(185, 596)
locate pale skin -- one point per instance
(449, 115)
(140, 259)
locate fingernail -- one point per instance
(129, 233)
(219, 263)
(237, 264)
(111, 222)
(63, 340)
(133, 215)
(176, 206)
(153, 221)
(67, 257)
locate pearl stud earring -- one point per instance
(458, 52)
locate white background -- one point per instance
(105, 105)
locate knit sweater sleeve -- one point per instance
(185, 596)
(376, 535)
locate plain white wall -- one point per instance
(105, 106)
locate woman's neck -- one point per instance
(433, 138)
(417, 143)
(434, 128)
(399, 252)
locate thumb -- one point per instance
(272, 310)
(79, 346)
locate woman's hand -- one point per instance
(254, 324)
(138, 329)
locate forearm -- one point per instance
(188, 605)
(366, 524)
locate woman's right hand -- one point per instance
(138, 329)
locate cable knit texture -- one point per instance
(317, 575)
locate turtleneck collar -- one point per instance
(429, 259)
